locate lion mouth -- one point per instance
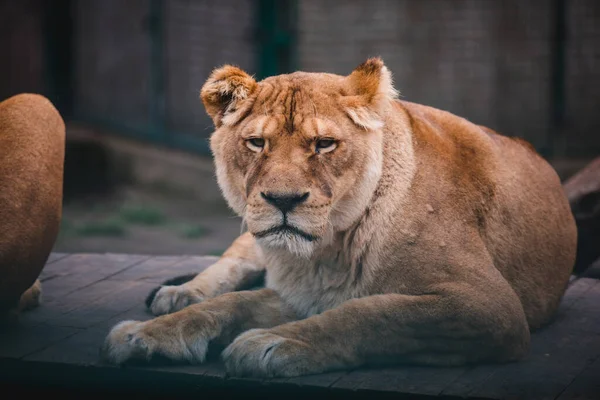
(286, 229)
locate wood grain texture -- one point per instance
(586, 386)
(412, 380)
(87, 294)
(159, 269)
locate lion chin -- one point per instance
(288, 238)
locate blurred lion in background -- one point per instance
(32, 142)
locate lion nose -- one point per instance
(284, 202)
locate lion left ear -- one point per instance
(370, 86)
(225, 92)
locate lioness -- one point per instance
(32, 149)
(389, 232)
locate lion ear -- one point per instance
(369, 86)
(224, 93)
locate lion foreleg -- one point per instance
(186, 334)
(239, 268)
(445, 328)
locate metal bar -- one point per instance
(276, 37)
(266, 33)
(558, 101)
(293, 36)
(58, 70)
(157, 75)
(154, 130)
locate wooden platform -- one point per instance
(86, 294)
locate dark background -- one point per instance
(126, 77)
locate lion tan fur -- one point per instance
(32, 141)
(417, 236)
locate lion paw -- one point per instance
(263, 353)
(174, 298)
(126, 342)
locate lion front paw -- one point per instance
(170, 299)
(126, 342)
(263, 353)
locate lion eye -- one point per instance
(255, 144)
(325, 145)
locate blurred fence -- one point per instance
(528, 68)
(139, 64)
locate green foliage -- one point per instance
(142, 215)
(193, 231)
(107, 227)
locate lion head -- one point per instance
(298, 156)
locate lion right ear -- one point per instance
(224, 93)
(369, 86)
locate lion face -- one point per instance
(298, 156)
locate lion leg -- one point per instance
(186, 334)
(10, 310)
(447, 327)
(237, 269)
(32, 297)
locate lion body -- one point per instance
(474, 191)
(414, 235)
(32, 136)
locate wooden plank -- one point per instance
(469, 381)
(410, 380)
(80, 270)
(195, 264)
(130, 296)
(583, 312)
(578, 308)
(54, 312)
(576, 291)
(137, 313)
(148, 268)
(158, 274)
(324, 380)
(557, 357)
(53, 257)
(593, 271)
(23, 339)
(79, 262)
(586, 385)
(82, 348)
(52, 267)
(559, 352)
(102, 381)
(69, 328)
(212, 368)
(212, 372)
(126, 302)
